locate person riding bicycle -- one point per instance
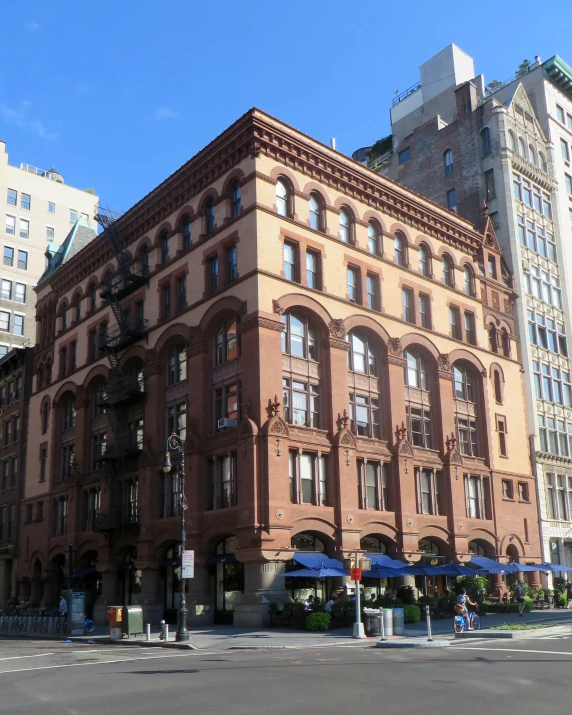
(462, 600)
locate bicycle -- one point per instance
(460, 624)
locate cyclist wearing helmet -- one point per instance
(462, 600)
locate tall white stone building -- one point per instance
(505, 149)
(39, 210)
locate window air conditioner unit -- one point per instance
(226, 423)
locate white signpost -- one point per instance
(188, 564)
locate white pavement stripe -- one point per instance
(18, 657)
(93, 663)
(515, 650)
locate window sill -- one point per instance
(524, 501)
(509, 499)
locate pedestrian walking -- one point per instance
(63, 606)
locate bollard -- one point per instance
(381, 626)
(165, 632)
(428, 617)
(147, 631)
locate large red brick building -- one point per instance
(321, 338)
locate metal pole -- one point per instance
(175, 442)
(428, 617)
(381, 625)
(358, 625)
(70, 577)
(147, 631)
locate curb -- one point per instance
(410, 643)
(145, 644)
(484, 634)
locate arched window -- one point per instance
(45, 416)
(511, 141)
(429, 547)
(226, 344)
(362, 355)
(372, 545)
(164, 247)
(373, 238)
(300, 390)
(424, 257)
(497, 386)
(144, 260)
(283, 198)
(64, 316)
(186, 232)
(493, 341)
(209, 214)
(76, 315)
(345, 226)
(465, 392)
(177, 364)
(235, 200)
(522, 147)
(316, 212)
(68, 411)
(532, 155)
(399, 250)
(469, 280)
(98, 397)
(477, 548)
(364, 359)
(505, 342)
(299, 337)
(543, 163)
(448, 162)
(486, 143)
(40, 379)
(418, 399)
(307, 542)
(447, 271)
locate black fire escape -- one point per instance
(123, 389)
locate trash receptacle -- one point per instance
(371, 622)
(388, 621)
(398, 621)
(132, 621)
(114, 615)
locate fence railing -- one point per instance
(34, 622)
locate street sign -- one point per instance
(355, 574)
(188, 563)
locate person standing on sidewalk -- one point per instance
(519, 596)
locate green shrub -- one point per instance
(273, 608)
(528, 604)
(561, 600)
(318, 621)
(426, 601)
(476, 586)
(411, 613)
(406, 595)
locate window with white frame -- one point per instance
(6, 289)
(308, 477)
(24, 228)
(223, 481)
(11, 225)
(476, 496)
(373, 487)
(465, 393)
(418, 399)
(427, 483)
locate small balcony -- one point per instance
(121, 336)
(122, 392)
(117, 520)
(123, 285)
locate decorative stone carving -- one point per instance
(394, 347)
(347, 457)
(276, 307)
(278, 447)
(460, 526)
(278, 427)
(337, 328)
(410, 523)
(443, 363)
(403, 447)
(496, 302)
(245, 515)
(279, 514)
(507, 306)
(350, 518)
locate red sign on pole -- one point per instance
(355, 574)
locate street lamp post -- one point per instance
(175, 444)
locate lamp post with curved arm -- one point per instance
(175, 444)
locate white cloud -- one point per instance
(164, 113)
(32, 26)
(19, 118)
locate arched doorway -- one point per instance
(512, 553)
(171, 574)
(300, 589)
(130, 577)
(228, 575)
(432, 556)
(59, 576)
(36, 585)
(88, 579)
(482, 548)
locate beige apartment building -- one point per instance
(39, 210)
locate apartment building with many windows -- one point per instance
(316, 335)
(507, 146)
(38, 211)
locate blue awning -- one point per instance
(482, 562)
(314, 559)
(385, 561)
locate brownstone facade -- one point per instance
(319, 337)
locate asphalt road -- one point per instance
(47, 678)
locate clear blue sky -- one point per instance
(117, 95)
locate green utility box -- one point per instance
(132, 621)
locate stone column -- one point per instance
(110, 595)
(534, 579)
(262, 585)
